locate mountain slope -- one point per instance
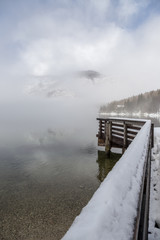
(148, 102)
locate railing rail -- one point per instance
(141, 224)
(120, 133)
(107, 212)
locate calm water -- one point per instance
(49, 168)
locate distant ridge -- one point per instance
(148, 102)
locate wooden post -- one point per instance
(100, 128)
(125, 138)
(110, 134)
(152, 135)
(108, 137)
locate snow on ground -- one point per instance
(154, 223)
(111, 212)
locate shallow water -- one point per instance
(50, 166)
(49, 169)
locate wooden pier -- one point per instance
(120, 133)
(124, 196)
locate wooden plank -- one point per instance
(125, 137)
(152, 135)
(107, 140)
(129, 126)
(130, 137)
(102, 125)
(117, 125)
(117, 133)
(118, 129)
(136, 122)
(101, 128)
(117, 138)
(110, 131)
(132, 132)
(141, 220)
(117, 141)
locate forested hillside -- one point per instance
(148, 102)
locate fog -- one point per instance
(45, 45)
(60, 60)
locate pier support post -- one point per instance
(152, 135)
(108, 137)
(100, 129)
(125, 138)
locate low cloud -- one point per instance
(58, 39)
(46, 86)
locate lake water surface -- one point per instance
(50, 167)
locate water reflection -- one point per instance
(45, 181)
(48, 173)
(106, 164)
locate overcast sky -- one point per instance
(56, 38)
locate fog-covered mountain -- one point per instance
(90, 74)
(66, 85)
(148, 102)
(47, 86)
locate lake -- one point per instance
(50, 166)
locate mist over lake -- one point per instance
(50, 165)
(48, 168)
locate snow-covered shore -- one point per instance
(154, 223)
(134, 114)
(111, 212)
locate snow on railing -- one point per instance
(111, 212)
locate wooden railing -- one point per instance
(142, 219)
(120, 133)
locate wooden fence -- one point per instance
(120, 133)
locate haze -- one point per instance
(46, 44)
